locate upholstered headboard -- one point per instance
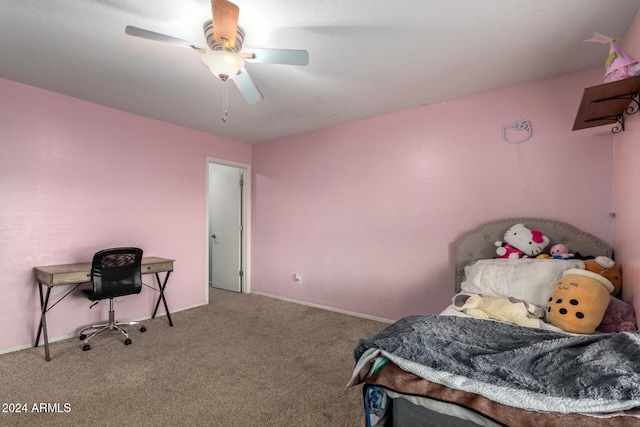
(480, 243)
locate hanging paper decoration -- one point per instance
(619, 64)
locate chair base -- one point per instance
(89, 332)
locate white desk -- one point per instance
(76, 274)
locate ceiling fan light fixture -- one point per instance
(223, 64)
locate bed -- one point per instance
(456, 370)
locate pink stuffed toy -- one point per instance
(619, 317)
(560, 251)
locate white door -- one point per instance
(225, 226)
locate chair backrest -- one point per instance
(116, 272)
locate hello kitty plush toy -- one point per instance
(521, 242)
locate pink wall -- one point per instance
(626, 194)
(367, 211)
(76, 177)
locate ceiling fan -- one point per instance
(224, 55)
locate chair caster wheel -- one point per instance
(83, 337)
(127, 341)
(143, 329)
(86, 347)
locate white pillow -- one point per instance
(528, 279)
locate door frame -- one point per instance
(245, 262)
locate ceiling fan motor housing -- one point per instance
(211, 41)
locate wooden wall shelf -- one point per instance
(608, 103)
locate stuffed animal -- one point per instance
(579, 300)
(606, 267)
(619, 317)
(505, 309)
(560, 251)
(521, 242)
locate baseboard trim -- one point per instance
(76, 334)
(325, 307)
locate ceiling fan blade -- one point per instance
(225, 22)
(277, 56)
(247, 88)
(151, 35)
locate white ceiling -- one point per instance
(367, 57)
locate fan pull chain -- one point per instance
(225, 101)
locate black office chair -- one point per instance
(114, 273)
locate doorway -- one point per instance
(227, 205)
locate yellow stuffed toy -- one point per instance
(579, 301)
(505, 309)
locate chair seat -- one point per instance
(105, 294)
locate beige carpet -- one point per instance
(243, 360)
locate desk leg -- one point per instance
(162, 285)
(44, 302)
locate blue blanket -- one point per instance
(535, 368)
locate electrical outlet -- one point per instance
(297, 278)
